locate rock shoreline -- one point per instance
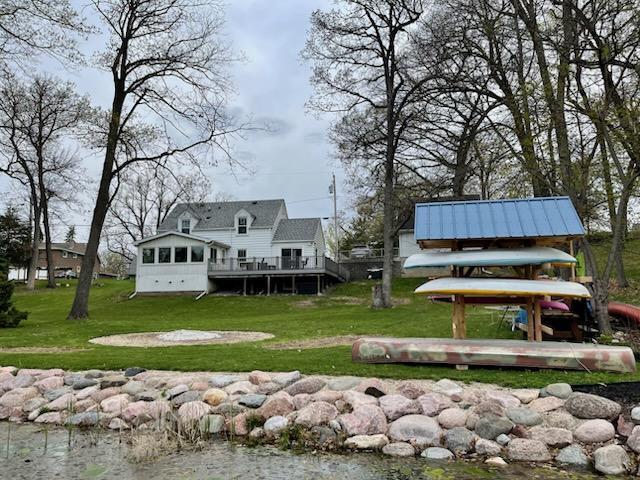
(438, 421)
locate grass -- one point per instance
(344, 311)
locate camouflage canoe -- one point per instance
(502, 353)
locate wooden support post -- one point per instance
(454, 317)
(268, 285)
(318, 291)
(293, 284)
(244, 284)
(573, 265)
(538, 320)
(531, 336)
(462, 327)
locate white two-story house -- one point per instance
(241, 246)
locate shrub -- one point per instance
(9, 316)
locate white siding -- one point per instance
(308, 248)
(407, 244)
(171, 277)
(319, 241)
(257, 241)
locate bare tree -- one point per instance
(32, 27)
(146, 195)
(167, 60)
(362, 70)
(34, 120)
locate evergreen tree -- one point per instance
(15, 239)
(9, 316)
(71, 234)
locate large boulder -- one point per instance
(191, 412)
(317, 413)
(419, 430)
(115, 404)
(437, 454)
(258, 377)
(221, 381)
(546, 404)
(560, 390)
(64, 402)
(280, 404)
(364, 420)
(503, 398)
(449, 388)
(396, 406)
(49, 383)
(137, 413)
(574, 456)
(275, 424)
(459, 440)
(611, 460)
(306, 385)
(214, 396)
(287, 378)
(524, 416)
(585, 405)
(633, 442)
(595, 431)
(490, 426)
(488, 448)
(526, 395)
(433, 403)
(18, 396)
(366, 442)
(554, 437)
(409, 389)
(453, 417)
(526, 450)
(399, 449)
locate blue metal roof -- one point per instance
(507, 218)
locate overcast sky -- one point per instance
(293, 161)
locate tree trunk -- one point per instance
(600, 289)
(80, 307)
(389, 211)
(33, 264)
(51, 274)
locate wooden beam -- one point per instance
(538, 320)
(531, 336)
(268, 285)
(318, 291)
(244, 284)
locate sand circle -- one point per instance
(180, 337)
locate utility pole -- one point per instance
(332, 189)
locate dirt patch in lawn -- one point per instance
(321, 342)
(159, 339)
(42, 350)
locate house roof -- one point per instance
(179, 234)
(73, 247)
(213, 215)
(296, 229)
(497, 219)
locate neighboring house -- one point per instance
(247, 246)
(67, 259)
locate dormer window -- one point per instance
(242, 225)
(64, 254)
(185, 225)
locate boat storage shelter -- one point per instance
(524, 235)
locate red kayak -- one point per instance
(624, 311)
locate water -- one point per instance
(103, 456)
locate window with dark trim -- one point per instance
(148, 255)
(185, 226)
(180, 254)
(197, 254)
(242, 225)
(164, 255)
(64, 254)
(242, 254)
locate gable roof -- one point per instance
(73, 247)
(490, 219)
(214, 215)
(297, 229)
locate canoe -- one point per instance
(544, 304)
(500, 287)
(492, 257)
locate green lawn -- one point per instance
(343, 312)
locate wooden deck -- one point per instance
(501, 353)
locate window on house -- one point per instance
(214, 255)
(164, 255)
(64, 254)
(242, 225)
(197, 254)
(242, 254)
(148, 255)
(75, 255)
(180, 255)
(185, 226)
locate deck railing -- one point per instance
(361, 254)
(276, 264)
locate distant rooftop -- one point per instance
(297, 229)
(523, 218)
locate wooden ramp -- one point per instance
(500, 353)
